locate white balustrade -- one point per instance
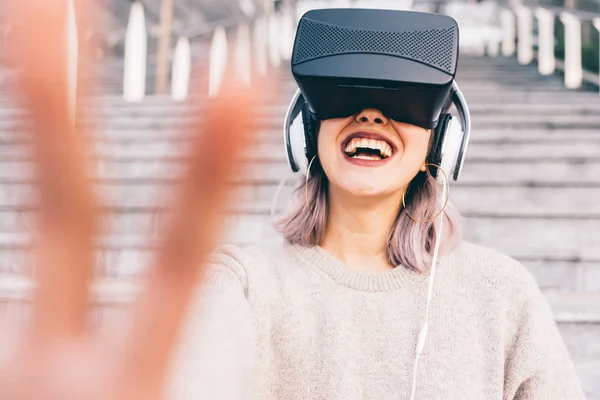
(134, 76)
(260, 46)
(546, 60)
(274, 39)
(288, 31)
(248, 8)
(525, 35)
(573, 67)
(8, 31)
(384, 4)
(493, 40)
(270, 42)
(182, 68)
(72, 57)
(508, 24)
(95, 50)
(596, 23)
(242, 56)
(217, 60)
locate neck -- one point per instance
(358, 230)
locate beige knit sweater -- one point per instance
(289, 322)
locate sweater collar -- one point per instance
(318, 258)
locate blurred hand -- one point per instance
(60, 357)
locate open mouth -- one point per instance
(368, 149)
(367, 146)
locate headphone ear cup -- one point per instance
(452, 149)
(439, 135)
(296, 152)
(311, 128)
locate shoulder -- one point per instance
(523, 303)
(254, 266)
(502, 273)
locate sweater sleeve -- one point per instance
(216, 354)
(538, 365)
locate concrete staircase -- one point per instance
(530, 188)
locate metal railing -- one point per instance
(532, 31)
(265, 38)
(524, 16)
(253, 41)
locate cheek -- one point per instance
(415, 145)
(327, 139)
(328, 156)
(329, 130)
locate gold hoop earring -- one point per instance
(447, 187)
(307, 176)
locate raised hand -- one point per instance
(60, 357)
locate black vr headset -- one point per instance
(402, 63)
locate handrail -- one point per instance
(118, 35)
(574, 74)
(208, 28)
(581, 15)
(517, 34)
(264, 36)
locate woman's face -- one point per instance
(369, 154)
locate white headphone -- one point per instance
(451, 136)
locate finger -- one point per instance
(229, 123)
(66, 220)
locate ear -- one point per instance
(423, 167)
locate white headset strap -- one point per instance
(293, 110)
(425, 327)
(464, 117)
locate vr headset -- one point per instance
(402, 63)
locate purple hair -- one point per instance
(410, 244)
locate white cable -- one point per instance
(277, 193)
(425, 328)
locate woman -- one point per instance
(334, 313)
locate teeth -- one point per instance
(375, 158)
(384, 148)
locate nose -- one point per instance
(371, 115)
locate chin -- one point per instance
(364, 188)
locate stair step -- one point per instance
(123, 198)
(568, 307)
(561, 238)
(550, 273)
(174, 111)
(274, 152)
(11, 138)
(587, 371)
(577, 316)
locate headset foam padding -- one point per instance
(439, 135)
(311, 129)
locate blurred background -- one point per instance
(531, 180)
